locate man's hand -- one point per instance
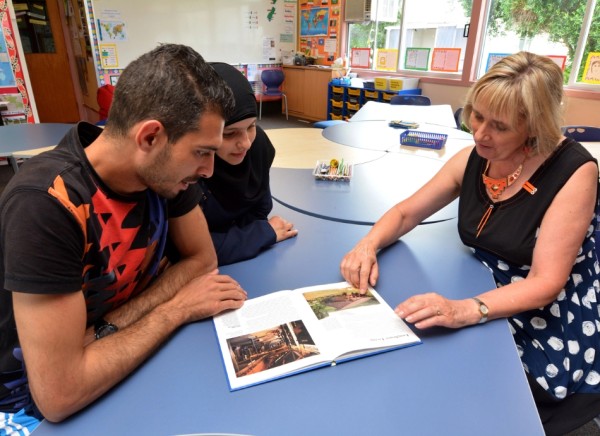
(207, 295)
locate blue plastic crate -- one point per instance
(415, 91)
(416, 138)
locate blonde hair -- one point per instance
(524, 87)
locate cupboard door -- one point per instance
(47, 62)
(293, 86)
(315, 96)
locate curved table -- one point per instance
(183, 389)
(374, 188)
(378, 135)
(302, 147)
(21, 137)
(440, 114)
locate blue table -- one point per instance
(459, 382)
(21, 137)
(374, 188)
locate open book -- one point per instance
(288, 332)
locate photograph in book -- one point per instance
(287, 332)
(325, 302)
(269, 348)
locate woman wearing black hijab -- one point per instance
(236, 200)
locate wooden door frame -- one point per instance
(72, 62)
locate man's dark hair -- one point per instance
(172, 84)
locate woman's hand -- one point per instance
(359, 267)
(429, 310)
(283, 229)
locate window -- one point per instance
(379, 36)
(560, 29)
(429, 37)
(421, 35)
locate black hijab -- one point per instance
(238, 187)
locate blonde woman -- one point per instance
(528, 205)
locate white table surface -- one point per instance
(378, 111)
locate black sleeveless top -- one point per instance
(557, 343)
(511, 230)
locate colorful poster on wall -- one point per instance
(493, 58)
(19, 90)
(559, 60)
(14, 112)
(314, 22)
(417, 58)
(591, 72)
(445, 59)
(360, 57)
(320, 24)
(112, 30)
(387, 59)
(7, 78)
(108, 56)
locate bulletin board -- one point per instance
(320, 24)
(17, 107)
(240, 32)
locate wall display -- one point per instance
(218, 31)
(493, 58)
(320, 25)
(7, 78)
(591, 73)
(417, 58)
(387, 59)
(14, 91)
(314, 22)
(559, 60)
(360, 58)
(445, 59)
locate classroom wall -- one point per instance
(244, 32)
(141, 16)
(578, 110)
(445, 94)
(582, 111)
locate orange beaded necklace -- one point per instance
(496, 187)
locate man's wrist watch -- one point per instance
(103, 328)
(483, 310)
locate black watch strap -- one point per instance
(104, 328)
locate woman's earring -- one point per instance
(530, 145)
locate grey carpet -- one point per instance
(272, 118)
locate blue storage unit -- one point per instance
(344, 101)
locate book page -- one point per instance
(268, 338)
(356, 323)
(287, 332)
